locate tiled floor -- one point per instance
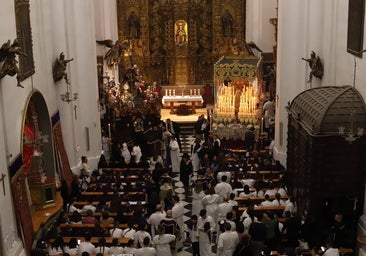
(187, 138)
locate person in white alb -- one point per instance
(155, 218)
(227, 242)
(125, 153)
(162, 242)
(178, 212)
(146, 250)
(206, 227)
(136, 152)
(174, 154)
(223, 188)
(223, 209)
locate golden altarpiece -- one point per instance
(177, 42)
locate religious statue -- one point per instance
(8, 62)
(227, 24)
(315, 65)
(59, 69)
(181, 34)
(133, 26)
(116, 52)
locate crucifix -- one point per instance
(3, 180)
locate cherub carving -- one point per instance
(116, 52)
(315, 65)
(59, 69)
(8, 62)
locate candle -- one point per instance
(109, 131)
(166, 92)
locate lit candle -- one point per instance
(109, 131)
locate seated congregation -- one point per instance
(237, 200)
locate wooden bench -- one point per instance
(80, 204)
(97, 195)
(123, 241)
(69, 225)
(277, 209)
(254, 199)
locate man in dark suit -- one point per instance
(174, 129)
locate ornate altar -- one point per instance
(177, 42)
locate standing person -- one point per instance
(125, 153)
(162, 242)
(174, 154)
(178, 212)
(155, 218)
(197, 196)
(136, 152)
(66, 197)
(227, 242)
(269, 113)
(140, 235)
(210, 201)
(146, 249)
(105, 147)
(205, 226)
(193, 235)
(198, 125)
(223, 188)
(186, 170)
(195, 149)
(257, 232)
(174, 129)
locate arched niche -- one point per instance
(37, 151)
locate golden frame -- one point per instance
(24, 35)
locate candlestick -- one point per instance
(109, 131)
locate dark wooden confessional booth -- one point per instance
(327, 169)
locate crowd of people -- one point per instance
(214, 178)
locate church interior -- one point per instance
(102, 103)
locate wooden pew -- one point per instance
(254, 199)
(95, 240)
(80, 204)
(122, 225)
(277, 209)
(97, 195)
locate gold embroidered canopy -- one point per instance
(235, 67)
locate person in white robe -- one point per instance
(146, 249)
(223, 188)
(210, 201)
(178, 212)
(197, 196)
(136, 152)
(162, 242)
(227, 242)
(125, 153)
(204, 234)
(174, 154)
(155, 218)
(223, 209)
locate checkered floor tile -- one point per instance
(187, 138)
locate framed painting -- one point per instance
(356, 13)
(24, 35)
